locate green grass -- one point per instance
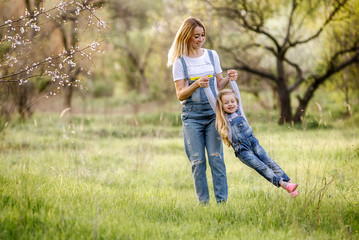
(127, 177)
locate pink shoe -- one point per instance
(291, 187)
(294, 193)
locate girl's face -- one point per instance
(229, 102)
(197, 39)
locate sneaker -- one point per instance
(294, 193)
(291, 187)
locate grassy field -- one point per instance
(127, 177)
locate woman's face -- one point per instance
(197, 39)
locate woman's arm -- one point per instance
(222, 82)
(183, 91)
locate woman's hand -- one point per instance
(203, 82)
(232, 75)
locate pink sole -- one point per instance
(294, 193)
(291, 187)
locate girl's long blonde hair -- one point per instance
(221, 121)
(184, 34)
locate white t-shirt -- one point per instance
(196, 67)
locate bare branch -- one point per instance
(242, 66)
(47, 60)
(294, 6)
(332, 69)
(320, 30)
(235, 13)
(270, 49)
(299, 75)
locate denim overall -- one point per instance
(248, 150)
(200, 133)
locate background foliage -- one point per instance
(112, 166)
(285, 50)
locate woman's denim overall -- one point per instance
(248, 150)
(200, 133)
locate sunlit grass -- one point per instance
(127, 177)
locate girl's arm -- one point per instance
(210, 97)
(235, 89)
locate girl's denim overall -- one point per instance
(200, 133)
(248, 150)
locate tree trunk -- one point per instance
(283, 93)
(68, 96)
(285, 105)
(303, 103)
(70, 89)
(26, 91)
(24, 95)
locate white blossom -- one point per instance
(101, 24)
(94, 45)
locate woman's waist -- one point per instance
(196, 106)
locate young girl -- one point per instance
(234, 129)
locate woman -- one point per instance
(193, 69)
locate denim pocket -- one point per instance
(184, 115)
(241, 124)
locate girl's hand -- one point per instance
(203, 82)
(232, 75)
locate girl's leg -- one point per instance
(267, 160)
(289, 187)
(216, 162)
(247, 156)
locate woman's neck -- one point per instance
(194, 53)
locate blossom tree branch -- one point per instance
(15, 66)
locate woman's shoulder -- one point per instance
(210, 50)
(177, 65)
(214, 53)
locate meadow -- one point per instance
(126, 176)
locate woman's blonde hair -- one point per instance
(221, 121)
(184, 34)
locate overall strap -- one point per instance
(213, 88)
(231, 116)
(212, 61)
(184, 65)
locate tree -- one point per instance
(32, 51)
(279, 47)
(143, 33)
(136, 42)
